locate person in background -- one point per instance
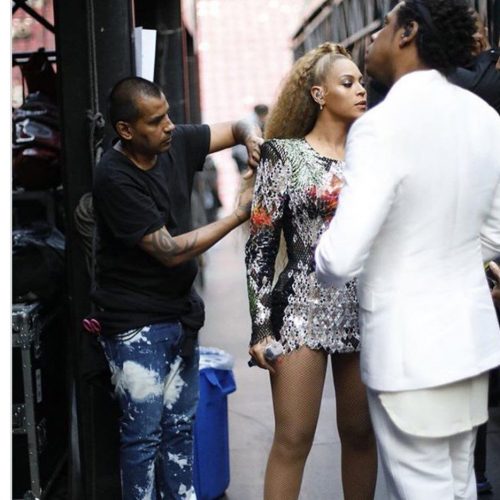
(239, 152)
(482, 74)
(298, 181)
(210, 189)
(418, 216)
(482, 77)
(205, 204)
(147, 309)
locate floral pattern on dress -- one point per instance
(296, 194)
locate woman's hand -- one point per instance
(257, 353)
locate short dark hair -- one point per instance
(444, 39)
(122, 98)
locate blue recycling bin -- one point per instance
(211, 433)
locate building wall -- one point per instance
(28, 35)
(245, 50)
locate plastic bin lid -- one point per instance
(212, 357)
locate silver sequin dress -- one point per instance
(294, 196)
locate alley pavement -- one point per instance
(250, 409)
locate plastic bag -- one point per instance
(212, 357)
(38, 263)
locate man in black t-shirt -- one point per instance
(147, 309)
(482, 76)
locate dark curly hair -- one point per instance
(445, 28)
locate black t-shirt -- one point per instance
(133, 288)
(481, 77)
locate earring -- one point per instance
(318, 96)
(318, 102)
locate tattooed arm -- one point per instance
(173, 250)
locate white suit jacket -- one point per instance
(418, 215)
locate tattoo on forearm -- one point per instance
(191, 243)
(165, 244)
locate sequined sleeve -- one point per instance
(269, 200)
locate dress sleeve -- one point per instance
(270, 196)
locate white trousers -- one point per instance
(419, 468)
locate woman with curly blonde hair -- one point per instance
(296, 192)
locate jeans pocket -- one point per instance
(129, 334)
(163, 336)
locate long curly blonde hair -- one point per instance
(295, 111)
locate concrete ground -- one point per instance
(250, 412)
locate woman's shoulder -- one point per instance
(283, 147)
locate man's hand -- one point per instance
(244, 201)
(250, 135)
(253, 141)
(495, 292)
(174, 250)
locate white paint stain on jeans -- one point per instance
(138, 337)
(146, 492)
(173, 384)
(140, 382)
(185, 493)
(178, 459)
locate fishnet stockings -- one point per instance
(297, 389)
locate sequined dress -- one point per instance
(296, 193)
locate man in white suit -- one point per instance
(417, 217)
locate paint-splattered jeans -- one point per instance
(158, 394)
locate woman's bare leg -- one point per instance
(359, 452)
(297, 388)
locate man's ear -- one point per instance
(408, 33)
(124, 130)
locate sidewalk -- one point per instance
(250, 412)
